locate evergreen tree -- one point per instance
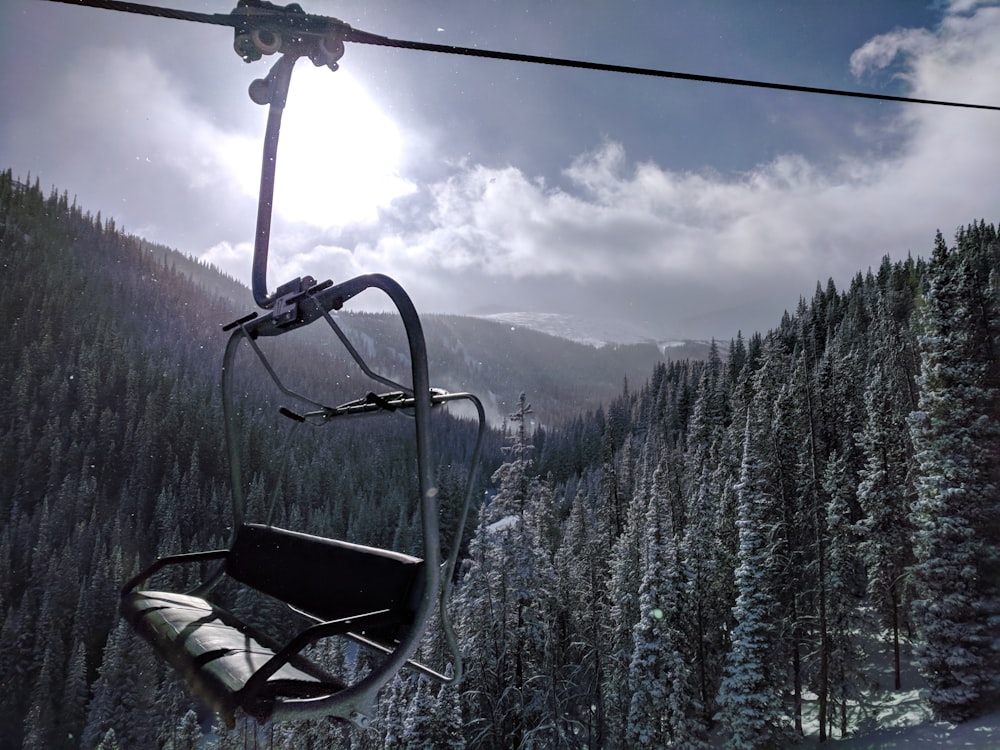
(885, 495)
(749, 697)
(664, 709)
(844, 658)
(448, 714)
(482, 625)
(39, 724)
(956, 434)
(507, 607)
(392, 711)
(625, 577)
(702, 547)
(37, 730)
(581, 563)
(73, 705)
(418, 722)
(124, 694)
(109, 741)
(187, 735)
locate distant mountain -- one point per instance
(565, 364)
(600, 332)
(497, 361)
(583, 330)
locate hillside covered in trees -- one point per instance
(744, 530)
(112, 446)
(709, 557)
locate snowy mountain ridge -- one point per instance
(596, 332)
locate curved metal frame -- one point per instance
(356, 702)
(298, 303)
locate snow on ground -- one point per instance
(885, 718)
(906, 723)
(504, 523)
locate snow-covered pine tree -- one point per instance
(664, 707)
(709, 580)
(625, 578)
(844, 658)
(581, 565)
(750, 705)
(482, 625)
(188, 734)
(443, 730)
(956, 435)
(792, 465)
(109, 741)
(123, 694)
(419, 718)
(39, 723)
(392, 712)
(73, 701)
(885, 491)
(507, 604)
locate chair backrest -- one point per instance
(326, 578)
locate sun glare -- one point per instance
(339, 155)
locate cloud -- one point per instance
(117, 129)
(121, 131)
(231, 258)
(610, 228)
(879, 52)
(967, 6)
(339, 158)
(746, 236)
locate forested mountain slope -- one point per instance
(111, 444)
(710, 557)
(728, 550)
(111, 440)
(496, 360)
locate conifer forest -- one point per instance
(722, 553)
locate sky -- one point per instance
(689, 210)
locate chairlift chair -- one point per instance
(379, 598)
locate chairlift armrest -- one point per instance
(163, 562)
(415, 665)
(309, 636)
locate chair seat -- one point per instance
(217, 653)
(346, 589)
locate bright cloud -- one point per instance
(339, 155)
(615, 220)
(119, 131)
(338, 159)
(130, 137)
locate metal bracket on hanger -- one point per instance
(266, 29)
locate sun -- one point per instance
(339, 155)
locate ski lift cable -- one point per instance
(275, 18)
